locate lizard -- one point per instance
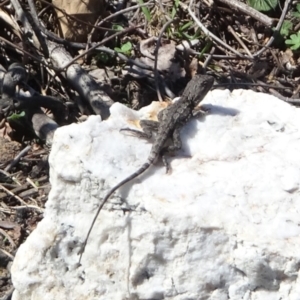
(170, 121)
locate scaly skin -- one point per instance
(170, 121)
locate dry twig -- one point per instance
(238, 5)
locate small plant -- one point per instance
(102, 57)
(145, 11)
(117, 27)
(297, 12)
(294, 40)
(263, 5)
(125, 48)
(16, 117)
(174, 9)
(182, 31)
(286, 28)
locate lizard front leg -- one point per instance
(200, 112)
(148, 127)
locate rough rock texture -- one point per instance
(223, 225)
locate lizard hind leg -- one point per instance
(176, 141)
(166, 164)
(174, 146)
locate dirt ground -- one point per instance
(23, 192)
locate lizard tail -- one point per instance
(140, 171)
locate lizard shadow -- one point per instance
(191, 129)
(125, 189)
(184, 152)
(220, 110)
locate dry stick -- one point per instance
(90, 35)
(8, 254)
(41, 12)
(210, 34)
(72, 17)
(41, 210)
(125, 58)
(249, 11)
(156, 74)
(112, 16)
(36, 27)
(271, 40)
(254, 36)
(163, 10)
(208, 58)
(7, 211)
(286, 99)
(32, 184)
(17, 158)
(14, 46)
(88, 89)
(230, 29)
(112, 52)
(2, 123)
(11, 22)
(81, 81)
(59, 40)
(259, 83)
(42, 124)
(4, 3)
(95, 46)
(7, 225)
(5, 173)
(8, 237)
(140, 31)
(13, 178)
(124, 10)
(21, 16)
(12, 194)
(218, 56)
(8, 293)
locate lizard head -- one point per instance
(197, 88)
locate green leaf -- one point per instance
(206, 48)
(145, 11)
(183, 31)
(187, 36)
(126, 47)
(285, 28)
(117, 27)
(174, 9)
(102, 57)
(16, 117)
(263, 5)
(297, 13)
(186, 26)
(294, 41)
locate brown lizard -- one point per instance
(170, 121)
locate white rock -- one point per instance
(223, 225)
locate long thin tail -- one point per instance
(127, 179)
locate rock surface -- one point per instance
(223, 225)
